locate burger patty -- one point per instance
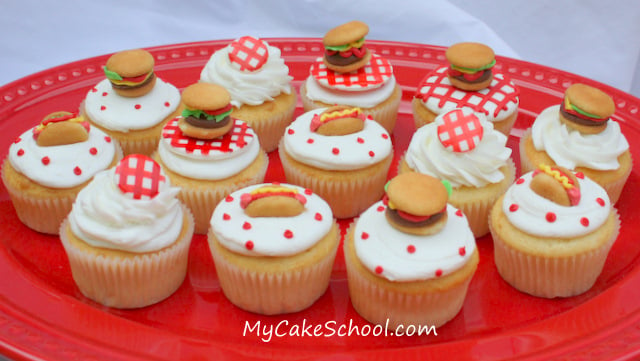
(339, 60)
(579, 120)
(485, 75)
(399, 220)
(122, 86)
(206, 123)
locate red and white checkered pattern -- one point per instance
(459, 130)
(139, 177)
(248, 53)
(373, 75)
(237, 138)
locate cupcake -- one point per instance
(349, 74)
(260, 85)
(273, 247)
(49, 164)
(410, 258)
(462, 147)
(127, 237)
(580, 135)
(552, 231)
(207, 153)
(339, 153)
(468, 80)
(132, 104)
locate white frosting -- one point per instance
(68, 165)
(475, 168)
(569, 148)
(363, 99)
(211, 165)
(246, 87)
(486, 99)
(112, 111)
(408, 257)
(354, 151)
(530, 211)
(103, 216)
(233, 228)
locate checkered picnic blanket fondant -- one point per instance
(139, 177)
(237, 138)
(459, 131)
(373, 75)
(248, 53)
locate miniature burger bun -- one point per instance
(345, 48)
(586, 109)
(470, 65)
(416, 203)
(131, 72)
(207, 111)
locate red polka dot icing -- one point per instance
(270, 236)
(407, 257)
(344, 152)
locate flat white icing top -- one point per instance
(270, 236)
(539, 216)
(569, 148)
(399, 256)
(112, 111)
(474, 168)
(62, 166)
(498, 101)
(249, 87)
(103, 216)
(214, 159)
(345, 152)
(362, 99)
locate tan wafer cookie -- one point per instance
(471, 65)
(586, 109)
(344, 47)
(131, 72)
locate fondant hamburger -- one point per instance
(586, 108)
(207, 111)
(338, 120)
(470, 65)
(345, 48)
(131, 72)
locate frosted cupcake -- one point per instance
(411, 257)
(49, 164)
(339, 153)
(127, 236)
(462, 147)
(468, 80)
(273, 247)
(552, 232)
(132, 104)
(208, 153)
(349, 74)
(260, 85)
(579, 134)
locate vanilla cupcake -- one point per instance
(462, 147)
(258, 79)
(468, 80)
(132, 104)
(410, 258)
(339, 153)
(49, 164)
(207, 153)
(349, 74)
(552, 231)
(579, 134)
(127, 237)
(273, 246)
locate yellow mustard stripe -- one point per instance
(339, 113)
(564, 180)
(78, 119)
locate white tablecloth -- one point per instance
(592, 38)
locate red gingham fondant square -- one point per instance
(248, 53)
(139, 177)
(459, 130)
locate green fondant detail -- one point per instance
(474, 70)
(342, 47)
(448, 186)
(111, 74)
(586, 114)
(201, 114)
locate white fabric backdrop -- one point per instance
(592, 38)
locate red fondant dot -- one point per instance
(310, 140)
(514, 207)
(379, 269)
(167, 104)
(275, 183)
(229, 199)
(551, 217)
(246, 226)
(94, 90)
(249, 245)
(520, 181)
(360, 140)
(380, 208)
(138, 106)
(104, 94)
(318, 217)
(308, 191)
(459, 213)
(77, 171)
(372, 154)
(584, 221)
(385, 136)
(462, 251)
(93, 151)
(364, 235)
(335, 151)
(290, 131)
(385, 200)
(226, 217)
(20, 152)
(580, 175)
(600, 201)
(288, 234)
(438, 272)
(46, 160)
(107, 139)
(411, 248)
(102, 107)
(18, 140)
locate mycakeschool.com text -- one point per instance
(268, 332)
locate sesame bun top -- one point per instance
(345, 33)
(205, 96)
(470, 55)
(590, 100)
(131, 63)
(417, 194)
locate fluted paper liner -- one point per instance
(128, 280)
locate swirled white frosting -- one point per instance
(344, 152)
(246, 87)
(112, 111)
(68, 165)
(104, 217)
(399, 256)
(569, 148)
(474, 168)
(528, 211)
(270, 236)
(363, 99)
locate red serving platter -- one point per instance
(44, 316)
